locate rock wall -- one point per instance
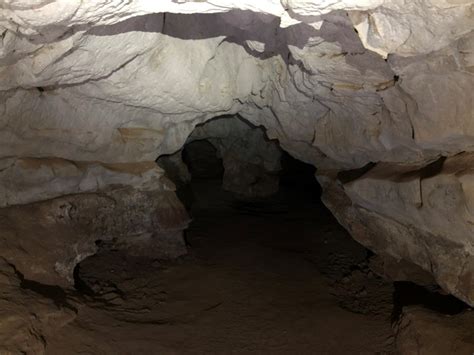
(423, 332)
(344, 85)
(55, 212)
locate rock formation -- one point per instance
(27, 317)
(420, 331)
(377, 94)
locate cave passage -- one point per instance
(273, 274)
(262, 275)
(249, 177)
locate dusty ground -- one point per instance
(275, 276)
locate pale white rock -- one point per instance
(379, 21)
(420, 214)
(413, 27)
(256, 46)
(311, 8)
(440, 86)
(26, 180)
(287, 20)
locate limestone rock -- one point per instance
(421, 331)
(27, 317)
(25, 180)
(176, 170)
(45, 240)
(392, 269)
(410, 213)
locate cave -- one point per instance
(271, 177)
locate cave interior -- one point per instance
(215, 177)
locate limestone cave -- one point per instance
(237, 177)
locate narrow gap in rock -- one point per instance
(432, 298)
(79, 284)
(55, 293)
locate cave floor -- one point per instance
(274, 276)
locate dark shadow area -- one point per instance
(239, 26)
(298, 175)
(409, 294)
(231, 151)
(202, 160)
(55, 293)
(353, 174)
(79, 284)
(203, 164)
(338, 257)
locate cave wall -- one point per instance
(72, 206)
(373, 93)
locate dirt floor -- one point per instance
(273, 276)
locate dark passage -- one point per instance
(273, 275)
(202, 161)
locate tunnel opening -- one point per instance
(202, 160)
(432, 297)
(267, 261)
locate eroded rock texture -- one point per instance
(377, 94)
